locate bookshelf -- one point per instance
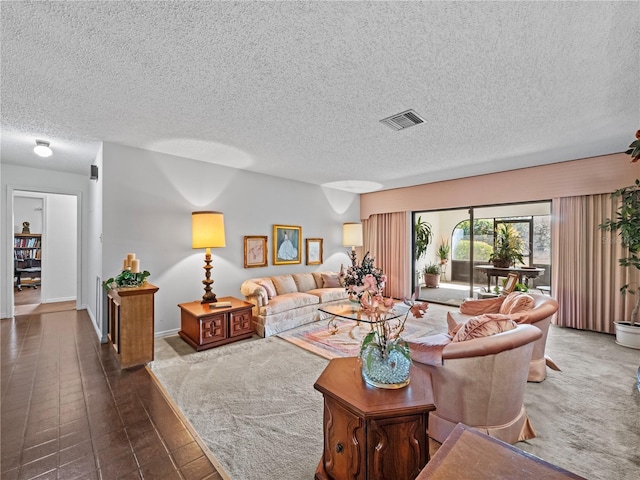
(27, 256)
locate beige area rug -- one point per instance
(254, 405)
(317, 338)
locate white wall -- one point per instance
(27, 208)
(148, 198)
(92, 238)
(30, 179)
(59, 248)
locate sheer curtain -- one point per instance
(386, 236)
(586, 274)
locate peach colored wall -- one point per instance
(567, 179)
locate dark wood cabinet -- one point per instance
(130, 313)
(205, 325)
(372, 433)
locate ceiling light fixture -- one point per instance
(42, 149)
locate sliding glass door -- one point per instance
(469, 235)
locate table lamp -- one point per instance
(207, 231)
(352, 237)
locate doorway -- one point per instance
(45, 252)
(469, 236)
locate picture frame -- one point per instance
(510, 283)
(287, 244)
(255, 251)
(314, 251)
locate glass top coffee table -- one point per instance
(352, 311)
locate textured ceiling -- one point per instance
(297, 89)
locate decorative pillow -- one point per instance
(284, 284)
(317, 276)
(483, 305)
(330, 280)
(268, 286)
(516, 302)
(428, 349)
(304, 281)
(483, 326)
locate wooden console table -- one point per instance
(130, 313)
(497, 272)
(468, 453)
(372, 433)
(205, 327)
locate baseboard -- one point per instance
(166, 333)
(57, 300)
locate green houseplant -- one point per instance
(443, 251)
(627, 225)
(423, 237)
(432, 275)
(126, 278)
(508, 247)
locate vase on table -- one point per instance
(386, 370)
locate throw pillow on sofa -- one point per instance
(304, 281)
(483, 326)
(284, 284)
(330, 280)
(268, 286)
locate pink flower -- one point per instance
(370, 282)
(419, 309)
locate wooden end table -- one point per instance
(372, 433)
(203, 326)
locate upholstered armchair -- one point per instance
(532, 308)
(479, 382)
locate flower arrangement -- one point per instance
(354, 278)
(385, 355)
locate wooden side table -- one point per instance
(469, 453)
(130, 312)
(203, 326)
(372, 433)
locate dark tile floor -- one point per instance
(69, 411)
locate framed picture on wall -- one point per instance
(314, 251)
(255, 251)
(287, 248)
(510, 283)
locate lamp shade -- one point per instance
(207, 230)
(351, 234)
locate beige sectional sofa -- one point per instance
(282, 302)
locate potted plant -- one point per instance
(443, 251)
(508, 247)
(627, 224)
(432, 275)
(443, 254)
(423, 235)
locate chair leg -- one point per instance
(551, 364)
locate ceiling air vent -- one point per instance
(402, 120)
